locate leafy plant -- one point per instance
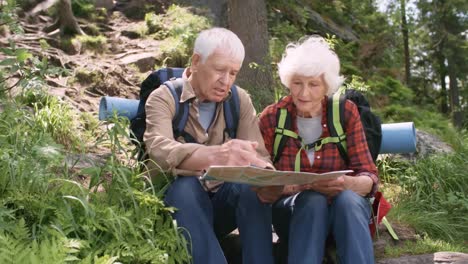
(436, 202)
(179, 27)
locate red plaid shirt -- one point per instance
(328, 157)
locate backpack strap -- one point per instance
(335, 120)
(336, 124)
(181, 110)
(283, 128)
(231, 108)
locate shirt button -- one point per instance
(318, 157)
(324, 125)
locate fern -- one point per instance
(12, 250)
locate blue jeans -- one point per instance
(206, 218)
(304, 221)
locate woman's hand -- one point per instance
(361, 185)
(329, 188)
(268, 194)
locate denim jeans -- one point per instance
(205, 218)
(304, 221)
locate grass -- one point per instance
(431, 196)
(422, 246)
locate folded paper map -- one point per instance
(266, 177)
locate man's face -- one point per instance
(215, 76)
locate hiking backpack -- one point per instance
(336, 124)
(167, 76)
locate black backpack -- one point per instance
(167, 76)
(336, 124)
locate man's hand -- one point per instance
(238, 152)
(268, 194)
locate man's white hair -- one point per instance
(219, 39)
(311, 56)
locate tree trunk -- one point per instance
(404, 31)
(443, 84)
(248, 19)
(67, 21)
(454, 95)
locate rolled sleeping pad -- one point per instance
(123, 107)
(398, 138)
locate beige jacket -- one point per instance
(166, 153)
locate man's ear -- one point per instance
(196, 61)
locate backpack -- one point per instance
(167, 76)
(336, 125)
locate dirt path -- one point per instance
(117, 69)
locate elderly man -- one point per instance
(208, 211)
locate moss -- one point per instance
(96, 44)
(84, 76)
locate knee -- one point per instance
(187, 189)
(351, 202)
(311, 201)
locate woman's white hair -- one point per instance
(219, 39)
(311, 56)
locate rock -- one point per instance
(130, 34)
(418, 259)
(438, 257)
(144, 61)
(107, 4)
(426, 145)
(451, 257)
(80, 161)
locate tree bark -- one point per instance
(248, 19)
(67, 21)
(404, 31)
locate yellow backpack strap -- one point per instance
(335, 122)
(283, 128)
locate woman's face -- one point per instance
(307, 94)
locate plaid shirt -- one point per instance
(328, 157)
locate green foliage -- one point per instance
(86, 9)
(83, 8)
(25, 70)
(424, 119)
(390, 91)
(119, 214)
(180, 28)
(8, 16)
(436, 201)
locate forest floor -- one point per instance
(117, 69)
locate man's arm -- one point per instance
(159, 138)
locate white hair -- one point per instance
(311, 56)
(219, 39)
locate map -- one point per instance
(266, 177)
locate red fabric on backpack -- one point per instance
(380, 208)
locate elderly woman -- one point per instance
(305, 215)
